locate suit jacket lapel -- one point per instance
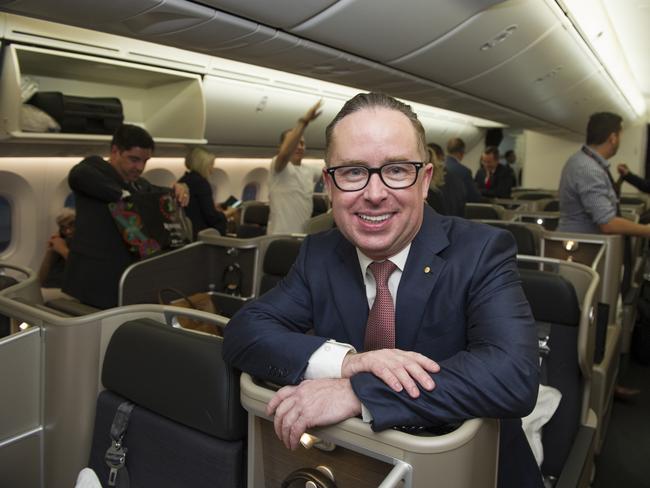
(422, 270)
(349, 293)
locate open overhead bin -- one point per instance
(168, 102)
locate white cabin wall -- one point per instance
(632, 152)
(543, 159)
(545, 155)
(33, 186)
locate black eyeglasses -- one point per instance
(396, 176)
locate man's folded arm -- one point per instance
(496, 376)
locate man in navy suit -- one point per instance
(464, 339)
(455, 154)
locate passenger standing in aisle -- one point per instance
(454, 165)
(588, 197)
(445, 332)
(588, 200)
(291, 184)
(98, 254)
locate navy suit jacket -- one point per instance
(455, 167)
(459, 302)
(503, 180)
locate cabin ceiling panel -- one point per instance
(545, 70)
(482, 42)
(572, 110)
(278, 13)
(80, 12)
(383, 30)
(302, 57)
(222, 32)
(261, 53)
(167, 17)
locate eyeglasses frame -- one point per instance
(418, 166)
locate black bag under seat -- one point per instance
(81, 115)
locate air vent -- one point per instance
(500, 37)
(550, 75)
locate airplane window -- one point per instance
(5, 223)
(250, 192)
(69, 201)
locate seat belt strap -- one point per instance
(115, 457)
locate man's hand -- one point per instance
(312, 403)
(313, 112)
(398, 369)
(622, 169)
(58, 245)
(181, 193)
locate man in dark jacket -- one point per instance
(493, 179)
(98, 254)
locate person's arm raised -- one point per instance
(292, 138)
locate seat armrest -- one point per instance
(71, 307)
(579, 458)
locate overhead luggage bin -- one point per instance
(151, 97)
(156, 92)
(356, 457)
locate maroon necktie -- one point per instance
(380, 330)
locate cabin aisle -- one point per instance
(625, 459)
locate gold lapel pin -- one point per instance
(427, 269)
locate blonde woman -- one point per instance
(201, 209)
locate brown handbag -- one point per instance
(198, 301)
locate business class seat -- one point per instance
(321, 204)
(562, 299)
(527, 236)
(278, 259)
(254, 219)
(187, 427)
(533, 195)
(357, 457)
(476, 211)
(552, 206)
(604, 254)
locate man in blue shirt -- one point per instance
(588, 200)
